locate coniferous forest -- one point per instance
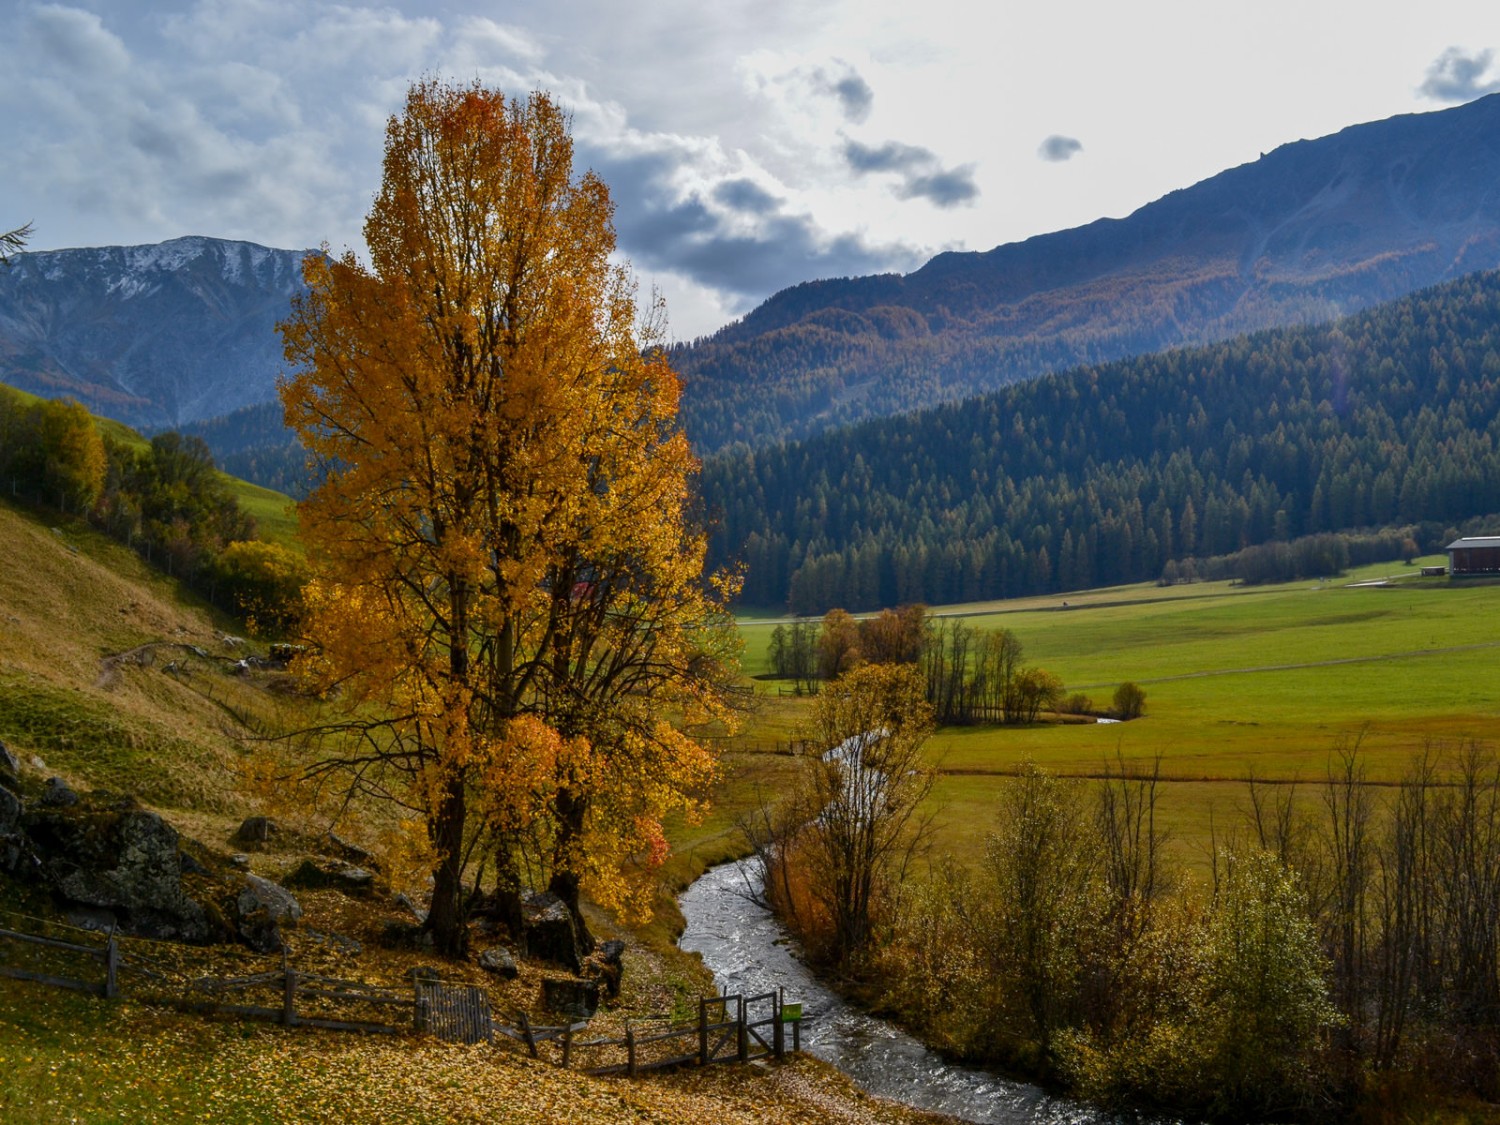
(1103, 475)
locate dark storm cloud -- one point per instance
(1456, 76)
(747, 196)
(920, 172)
(1058, 148)
(745, 244)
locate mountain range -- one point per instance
(156, 336)
(1310, 231)
(177, 334)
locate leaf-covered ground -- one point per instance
(67, 1058)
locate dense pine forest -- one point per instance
(1106, 474)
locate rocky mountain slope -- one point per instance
(155, 336)
(1313, 230)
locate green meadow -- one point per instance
(1267, 681)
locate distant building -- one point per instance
(1475, 556)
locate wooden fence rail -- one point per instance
(108, 954)
(728, 1029)
(332, 1000)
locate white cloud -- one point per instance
(1458, 76)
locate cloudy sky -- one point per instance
(749, 145)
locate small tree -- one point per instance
(867, 780)
(1043, 871)
(838, 645)
(1130, 701)
(264, 583)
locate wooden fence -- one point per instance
(727, 1029)
(108, 955)
(298, 999)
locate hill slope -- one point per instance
(1310, 231)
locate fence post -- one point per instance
(629, 1050)
(778, 1029)
(290, 998)
(702, 1032)
(111, 967)
(743, 1046)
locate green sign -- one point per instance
(791, 1013)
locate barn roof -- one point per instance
(1476, 541)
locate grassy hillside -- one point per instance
(101, 679)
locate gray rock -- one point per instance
(549, 932)
(499, 961)
(402, 902)
(10, 765)
(350, 853)
(124, 859)
(357, 882)
(576, 998)
(240, 860)
(58, 794)
(11, 808)
(256, 830)
(606, 965)
(261, 909)
(15, 851)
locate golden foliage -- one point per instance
(506, 567)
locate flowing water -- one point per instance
(748, 952)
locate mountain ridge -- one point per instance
(156, 335)
(1312, 230)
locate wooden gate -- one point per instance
(459, 1013)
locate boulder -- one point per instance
(498, 960)
(549, 932)
(256, 830)
(109, 853)
(11, 808)
(260, 910)
(403, 902)
(576, 998)
(10, 765)
(15, 851)
(350, 853)
(334, 874)
(58, 794)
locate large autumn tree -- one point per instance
(510, 593)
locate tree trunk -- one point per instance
(571, 808)
(445, 920)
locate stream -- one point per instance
(748, 952)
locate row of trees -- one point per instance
(508, 591)
(1103, 475)
(970, 675)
